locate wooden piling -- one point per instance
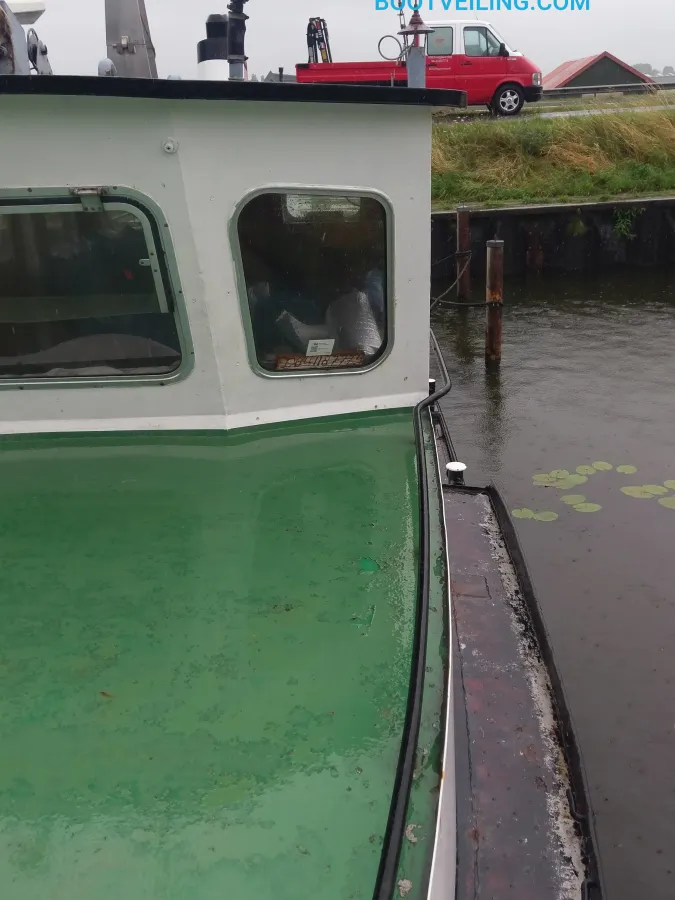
(462, 257)
(494, 301)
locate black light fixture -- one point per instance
(212, 51)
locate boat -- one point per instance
(259, 639)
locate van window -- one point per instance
(439, 42)
(480, 41)
(315, 273)
(81, 295)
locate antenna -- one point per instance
(128, 38)
(401, 18)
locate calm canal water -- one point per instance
(588, 375)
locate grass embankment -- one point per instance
(593, 157)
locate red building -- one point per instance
(593, 71)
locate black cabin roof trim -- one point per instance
(164, 89)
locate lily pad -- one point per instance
(573, 499)
(655, 489)
(585, 470)
(603, 466)
(523, 513)
(559, 473)
(668, 502)
(543, 479)
(626, 470)
(670, 484)
(566, 484)
(546, 516)
(587, 507)
(637, 491)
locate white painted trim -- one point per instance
(213, 422)
(443, 875)
(334, 408)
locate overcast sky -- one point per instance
(75, 32)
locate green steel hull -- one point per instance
(204, 660)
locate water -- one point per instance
(588, 374)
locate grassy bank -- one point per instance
(596, 157)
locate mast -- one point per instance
(128, 37)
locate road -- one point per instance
(467, 118)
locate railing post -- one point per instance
(494, 301)
(463, 253)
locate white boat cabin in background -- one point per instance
(194, 200)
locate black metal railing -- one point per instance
(396, 823)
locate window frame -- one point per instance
(240, 278)
(451, 29)
(163, 264)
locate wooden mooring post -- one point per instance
(463, 254)
(494, 301)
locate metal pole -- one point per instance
(416, 59)
(463, 252)
(236, 38)
(494, 301)
(416, 65)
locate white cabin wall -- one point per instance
(74, 141)
(259, 144)
(225, 150)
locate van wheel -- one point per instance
(508, 100)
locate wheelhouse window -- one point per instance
(82, 295)
(479, 41)
(315, 270)
(439, 42)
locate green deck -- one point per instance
(204, 660)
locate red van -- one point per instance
(463, 55)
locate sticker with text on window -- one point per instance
(322, 347)
(289, 363)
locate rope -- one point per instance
(465, 305)
(436, 300)
(459, 253)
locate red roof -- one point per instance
(565, 72)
